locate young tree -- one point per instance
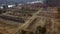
(31, 33)
(38, 30)
(44, 30)
(23, 32)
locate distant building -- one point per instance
(10, 6)
(5, 6)
(53, 3)
(1, 7)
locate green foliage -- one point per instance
(31, 33)
(40, 30)
(23, 32)
(43, 30)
